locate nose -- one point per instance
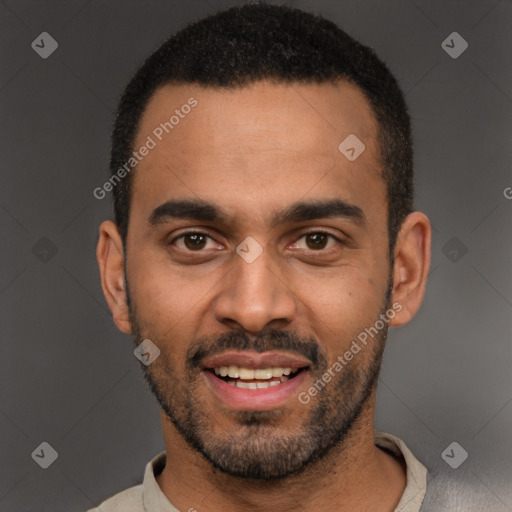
(254, 295)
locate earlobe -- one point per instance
(110, 257)
(411, 266)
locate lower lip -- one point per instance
(254, 399)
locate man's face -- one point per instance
(290, 270)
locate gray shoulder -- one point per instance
(129, 500)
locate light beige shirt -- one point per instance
(148, 497)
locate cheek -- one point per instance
(165, 296)
(338, 303)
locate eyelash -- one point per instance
(310, 251)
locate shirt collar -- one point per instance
(416, 472)
(154, 499)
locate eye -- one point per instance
(316, 241)
(194, 241)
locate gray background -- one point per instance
(69, 378)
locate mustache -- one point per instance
(269, 341)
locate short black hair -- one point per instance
(245, 44)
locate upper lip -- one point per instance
(254, 360)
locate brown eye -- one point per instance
(318, 243)
(194, 241)
(316, 240)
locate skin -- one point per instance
(252, 151)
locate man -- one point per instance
(264, 242)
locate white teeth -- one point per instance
(237, 372)
(246, 385)
(263, 385)
(233, 372)
(245, 373)
(256, 385)
(277, 372)
(265, 373)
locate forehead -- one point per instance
(292, 112)
(270, 143)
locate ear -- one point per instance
(110, 256)
(411, 266)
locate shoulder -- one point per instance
(129, 500)
(132, 499)
(416, 472)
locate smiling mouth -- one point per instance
(259, 378)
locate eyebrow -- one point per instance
(197, 209)
(319, 209)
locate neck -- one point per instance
(355, 475)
